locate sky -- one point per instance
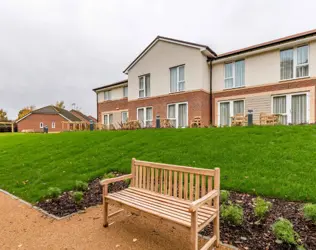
(52, 50)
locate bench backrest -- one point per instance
(178, 181)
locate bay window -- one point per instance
(144, 86)
(145, 116)
(177, 114)
(235, 74)
(294, 63)
(177, 79)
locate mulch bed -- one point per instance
(259, 236)
(65, 204)
(248, 236)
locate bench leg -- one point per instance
(216, 223)
(106, 214)
(193, 231)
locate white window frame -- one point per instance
(231, 110)
(41, 125)
(178, 77)
(122, 115)
(233, 75)
(177, 112)
(295, 65)
(144, 86)
(289, 105)
(108, 118)
(53, 125)
(145, 115)
(109, 97)
(125, 94)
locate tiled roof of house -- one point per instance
(79, 114)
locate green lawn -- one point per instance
(272, 161)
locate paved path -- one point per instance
(22, 227)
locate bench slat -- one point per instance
(180, 185)
(191, 186)
(165, 182)
(152, 176)
(170, 183)
(175, 184)
(197, 187)
(185, 186)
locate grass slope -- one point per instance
(273, 161)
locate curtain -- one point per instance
(239, 107)
(141, 87)
(147, 85)
(172, 114)
(183, 115)
(224, 114)
(302, 61)
(299, 109)
(149, 117)
(286, 60)
(240, 73)
(173, 80)
(140, 116)
(181, 78)
(279, 108)
(229, 81)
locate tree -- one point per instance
(23, 112)
(60, 104)
(3, 116)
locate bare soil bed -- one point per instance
(250, 235)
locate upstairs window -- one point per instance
(235, 74)
(144, 86)
(177, 79)
(294, 63)
(125, 91)
(107, 95)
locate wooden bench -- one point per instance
(183, 195)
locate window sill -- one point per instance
(293, 79)
(234, 88)
(144, 97)
(176, 92)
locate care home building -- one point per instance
(180, 80)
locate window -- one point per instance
(144, 86)
(227, 109)
(294, 63)
(53, 124)
(177, 79)
(291, 108)
(108, 119)
(107, 95)
(124, 116)
(41, 125)
(145, 116)
(178, 114)
(125, 91)
(235, 74)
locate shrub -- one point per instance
(54, 192)
(262, 208)
(224, 196)
(77, 196)
(232, 213)
(283, 231)
(81, 186)
(310, 212)
(108, 176)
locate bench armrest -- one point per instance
(112, 180)
(198, 203)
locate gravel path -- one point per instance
(22, 227)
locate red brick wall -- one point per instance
(33, 122)
(264, 88)
(198, 105)
(110, 106)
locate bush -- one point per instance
(232, 213)
(224, 196)
(283, 231)
(108, 176)
(54, 192)
(262, 208)
(310, 212)
(81, 186)
(78, 196)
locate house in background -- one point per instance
(179, 80)
(49, 116)
(82, 116)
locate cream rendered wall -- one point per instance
(158, 61)
(116, 94)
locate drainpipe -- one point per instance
(97, 107)
(211, 92)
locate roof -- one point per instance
(269, 43)
(53, 110)
(171, 40)
(74, 112)
(92, 118)
(111, 85)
